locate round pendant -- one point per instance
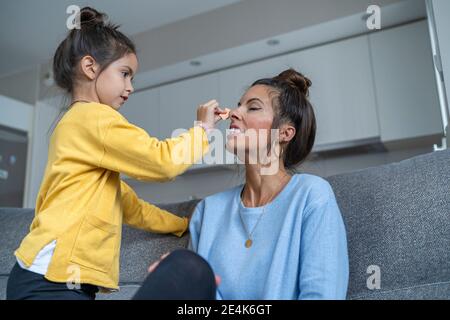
(248, 243)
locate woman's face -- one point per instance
(114, 83)
(251, 122)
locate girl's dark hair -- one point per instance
(95, 38)
(291, 105)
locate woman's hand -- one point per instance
(210, 113)
(155, 264)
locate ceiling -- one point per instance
(31, 30)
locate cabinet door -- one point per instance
(342, 91)
(142, 109)
(408, 103)
(179, 102)
(235, 81)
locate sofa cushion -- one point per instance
(3, 282)
(14, 226)
(126, 292)
(140, 248)
(433, 291)
(397, 217)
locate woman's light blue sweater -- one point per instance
(299, 247)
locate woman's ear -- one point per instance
(287, 133)
(89, 67)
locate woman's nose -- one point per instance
(234, 114)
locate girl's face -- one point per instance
(114, 84)
(251, 121)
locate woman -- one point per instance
(280, 235)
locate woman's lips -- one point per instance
(234, 132)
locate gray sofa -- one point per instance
(397, 218)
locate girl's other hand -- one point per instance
(210, 113)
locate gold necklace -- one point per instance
(249, 241)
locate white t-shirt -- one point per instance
(42, 260)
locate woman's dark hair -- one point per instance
(95, 38)
(291, 105)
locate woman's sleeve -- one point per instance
(128, 149)
(143, 215)
(324, 267)
(195, 226)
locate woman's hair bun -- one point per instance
(90, 17)
(295, 79)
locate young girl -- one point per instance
(73, 246)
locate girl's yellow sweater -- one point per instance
(82, 201)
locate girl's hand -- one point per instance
(210, 113)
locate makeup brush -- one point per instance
(226, 114)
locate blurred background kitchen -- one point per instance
(379, 93)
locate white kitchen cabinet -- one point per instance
(235, 81)
(143, 110)
(406, 91)
(342, 93)
(179, 102)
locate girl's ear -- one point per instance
(89, 67)
(287, 133)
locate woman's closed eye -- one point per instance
(254, 108)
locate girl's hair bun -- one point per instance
(90, 17)
(97, 38)
(292, 106)
(295, 79)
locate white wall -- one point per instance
(15, 114)
(22, 85)
(45, 114)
